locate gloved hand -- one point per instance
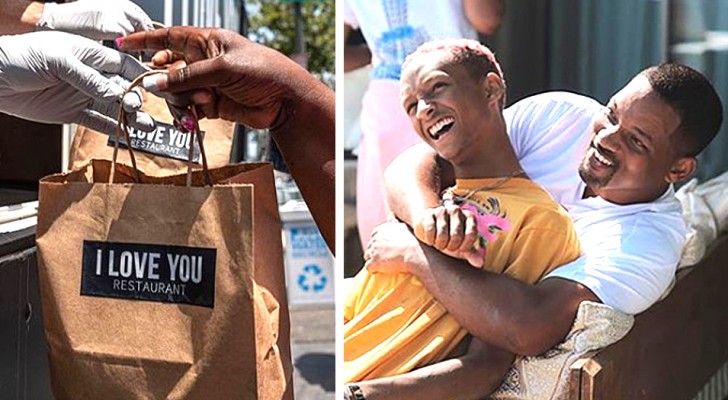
(95, 19)
(57, 77)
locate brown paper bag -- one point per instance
(218, 134)
(156, 290)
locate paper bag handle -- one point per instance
(123, 127)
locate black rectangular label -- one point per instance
(168, 274)
(165, 141)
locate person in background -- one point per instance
(392, 30)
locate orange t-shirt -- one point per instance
(393, 324)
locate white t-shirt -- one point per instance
(630, 253)
(395, 28)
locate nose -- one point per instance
(424, 108)
(609, 137)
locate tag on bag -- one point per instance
(165, 141)
(161, 152)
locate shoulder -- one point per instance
(550, 116)
(554, 104)
(628, 262)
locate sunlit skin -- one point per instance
(458, 116)
(633, 156)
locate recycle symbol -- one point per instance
(312, 279)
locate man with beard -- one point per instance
(611, 167)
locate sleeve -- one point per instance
(629, 271)
(349, 15)
(533, 121)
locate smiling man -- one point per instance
(612, 168)
(453, 90)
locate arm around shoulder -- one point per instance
(502, 311)
(414, 181)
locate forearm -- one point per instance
(307, 143)
(414, 181)
(484, 15)
(19, 16)
(356, 57)
(507, 313)
(473, 376)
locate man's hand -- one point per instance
(95, 19)
(251, 83)
(451, 230)
(56, 77)
(257, 86)
(393, 248)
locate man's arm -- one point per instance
(414, 180)
(355, 56)
(507, 313)
(472, 376)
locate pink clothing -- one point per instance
(386, 132)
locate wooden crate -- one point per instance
(674, 348)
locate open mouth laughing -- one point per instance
(441, 127)
(602, 158)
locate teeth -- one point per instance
(601, 158)
(435, 129)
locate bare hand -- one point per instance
(451, 230)
(251, 83)
(393, 248)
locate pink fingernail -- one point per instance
(188, 123)
(118, 42)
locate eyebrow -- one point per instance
(613, 105)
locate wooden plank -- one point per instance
(674, 347)
(589, 371)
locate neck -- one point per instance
(625, 197)
(493, 157)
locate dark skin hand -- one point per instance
(261, 88)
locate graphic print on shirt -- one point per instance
(396, 43)
(489, 218)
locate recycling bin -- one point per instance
(309, 263)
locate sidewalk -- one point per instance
(313, 348)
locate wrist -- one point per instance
(414, 259)
(33, 14)
(307, 97)
(46, 19)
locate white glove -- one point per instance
(95, 19)
(56, 77)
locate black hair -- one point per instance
(694, 99)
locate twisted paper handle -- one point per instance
(122, 126)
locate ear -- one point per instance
(496, 89)
(681, 169)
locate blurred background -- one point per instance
(593, 47)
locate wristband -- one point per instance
(356, 392)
